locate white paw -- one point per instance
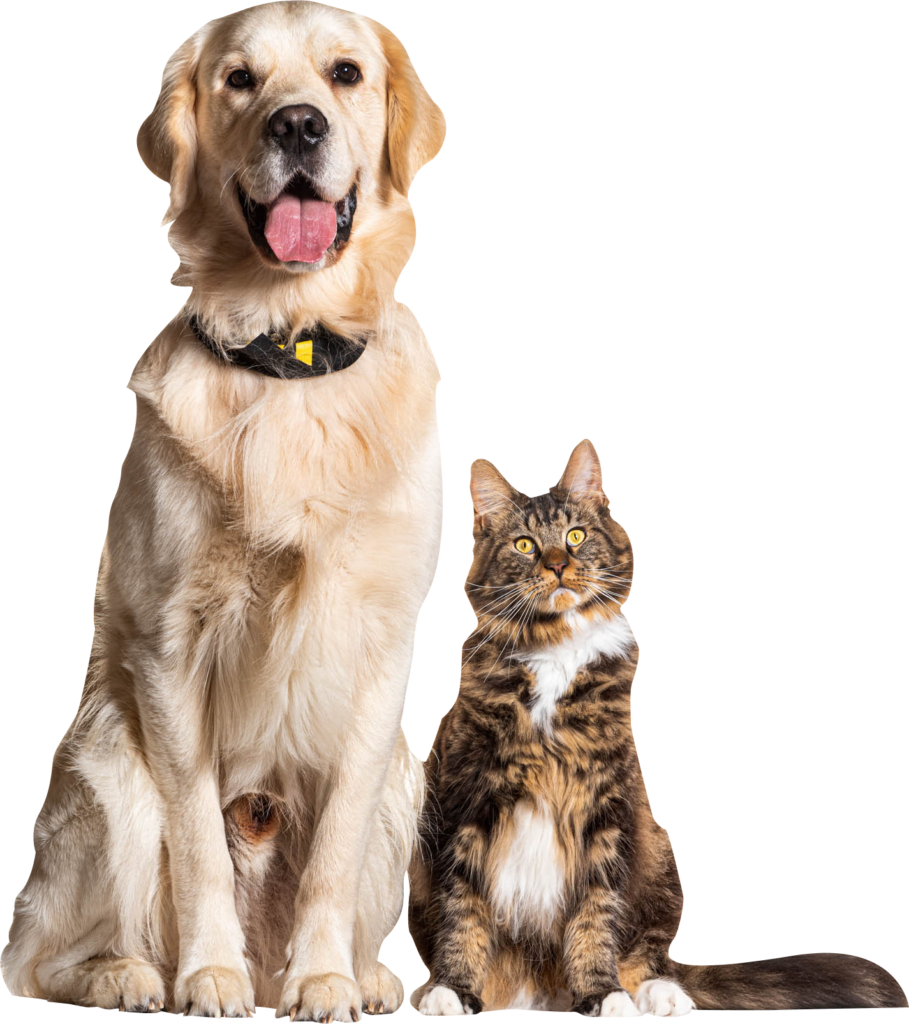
(439, 1001)
(663, 998)
(415, 996)
(619, 1004)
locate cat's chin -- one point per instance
(562, 600)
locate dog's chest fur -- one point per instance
(296, 528)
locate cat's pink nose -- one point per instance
(557, 567)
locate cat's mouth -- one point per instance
(563, 598)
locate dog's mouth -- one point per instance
(298, 226)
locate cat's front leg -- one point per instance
(462, 947)
(589, 957)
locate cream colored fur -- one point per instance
(529, 883)
(269, 548)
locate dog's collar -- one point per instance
(313, 353)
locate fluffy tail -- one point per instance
(813, 981)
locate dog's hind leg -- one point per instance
(87, 925)
(382, 883)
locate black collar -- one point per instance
(310, 354)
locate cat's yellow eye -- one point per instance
(525, 545)
(575, 537)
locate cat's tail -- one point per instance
(813, 981)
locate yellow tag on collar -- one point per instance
(302, 350)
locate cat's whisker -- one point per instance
(510, 610)
(524, 620)
(495, 632)
(497, 603)
(512, 590)
(602, 597)
(486, 586)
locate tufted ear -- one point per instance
(490, 490)
(415, 125)
(167, 139)
(582, 476)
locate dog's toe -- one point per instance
(325, 998)
(382, 991)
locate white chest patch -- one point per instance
(530, 883)
(554, 668)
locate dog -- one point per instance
(232, 811)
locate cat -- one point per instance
(542, 880)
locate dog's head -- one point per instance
(282, 127)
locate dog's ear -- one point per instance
(415, 125)
(167, 139)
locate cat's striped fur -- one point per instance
(542, 880)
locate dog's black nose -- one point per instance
(298, 128)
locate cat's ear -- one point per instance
(490, 490)
(582, 477)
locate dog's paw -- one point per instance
(381, 991)
(215, 992)
(663, 998)
(321, 997)
(442, 1001)
(616, 1004)
(123, 983)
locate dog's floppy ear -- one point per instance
(415, 125)
(167, 139)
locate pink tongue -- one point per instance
(300, 230)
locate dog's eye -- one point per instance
(346, 73)
(240, 79)
(525, 545)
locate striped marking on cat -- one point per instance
(555, 668)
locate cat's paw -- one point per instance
(663, 998)
(616, 1004)
(442, 1001)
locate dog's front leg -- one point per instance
(319, 983)
(212, 977)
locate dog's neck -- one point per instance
(237, 296)
(286, 356)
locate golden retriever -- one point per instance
(232, 811)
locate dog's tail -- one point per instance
(813, 981)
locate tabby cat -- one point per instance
(542, 880)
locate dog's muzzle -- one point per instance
(298, 226)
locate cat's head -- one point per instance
(551, 558)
